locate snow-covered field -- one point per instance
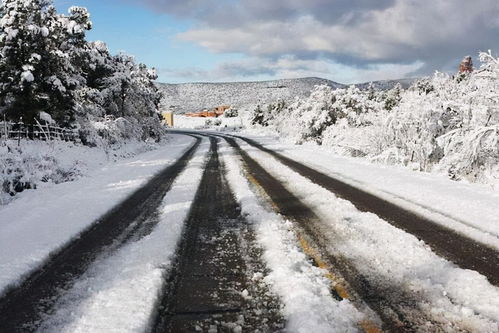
(221, 123)
(40, 221)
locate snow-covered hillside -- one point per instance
(191, 97)
(387, 84)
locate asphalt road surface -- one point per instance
(208, 284)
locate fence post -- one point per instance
(37, 131)
(5, 126)
(41, 128)
(19, 131)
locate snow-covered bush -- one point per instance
(29, 165)
(308, 119)
(443, 123)
(263, 117)
(453, 127)
(231, 113)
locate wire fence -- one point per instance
(47, 132)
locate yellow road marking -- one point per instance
(261, 190)
(369, 327)
(336, 283)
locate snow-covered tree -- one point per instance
(47, 65)
(308, 119)
(454, 127)
(264, 117)
(440, 124)
(23, 38)
(231, 113)
(393, 97)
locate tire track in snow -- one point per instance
(119, 291)
(448, 243)
(22, 307)
(303, 287)
(211, 287)
(396, 306)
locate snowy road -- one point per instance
(22, 307)
(456, 247)
(235, 237)
(211, 284)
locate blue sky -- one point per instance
(147, 35)
(348, 41)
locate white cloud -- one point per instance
(289, 67)
(353, 33)
(405, 30)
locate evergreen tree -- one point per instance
(22, 41)
(258, 117)
(393, 97)
(47, 65)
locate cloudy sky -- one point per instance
(347, 41)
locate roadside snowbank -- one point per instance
(39, 164)
(119, 291)
(471, 209)
(39, 222)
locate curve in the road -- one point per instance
(22, 307)
(448, 243)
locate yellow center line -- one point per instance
(336, 283)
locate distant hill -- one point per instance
(191, 97)
(387, 84)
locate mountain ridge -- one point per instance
(195, 96)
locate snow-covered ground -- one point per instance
(183, 122)
(118, 292)
(40, 221)
(42, 164)
(471, 209)
(388, 256)
(302, 287)
(120, 289)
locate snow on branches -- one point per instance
(443, 123)
(46, 64)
